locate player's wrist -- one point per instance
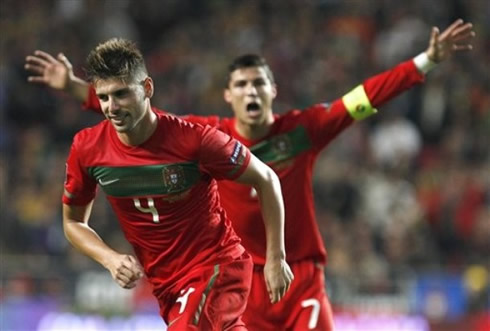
(276, 255)
(423, 63)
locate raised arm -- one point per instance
(56, 73)
(124, 268)
(278, 275)
(457, 37)
(364, 99)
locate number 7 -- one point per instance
(315, 311)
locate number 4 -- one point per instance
(315, 311)
(151, 208)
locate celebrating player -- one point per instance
(290, 144)
(159, 174)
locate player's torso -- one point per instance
(167, 206)
(289, 151)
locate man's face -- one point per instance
(123, 104)
(250, 94)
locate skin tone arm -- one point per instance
(124, 268)
(278, 275)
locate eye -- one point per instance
(121, 93)
(102, 97)
(240, 83)
(259, 82)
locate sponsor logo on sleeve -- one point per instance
(235, 156)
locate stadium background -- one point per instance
(403, 199)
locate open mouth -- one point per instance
(253, 109)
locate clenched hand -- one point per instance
(125, 270)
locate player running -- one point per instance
(159, 175)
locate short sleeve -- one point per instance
(222, 156)
(79, 187)
(92, 102)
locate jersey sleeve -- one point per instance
(222, 156)
(92, 102)
(79, 187)
(363, 100)
(326, 121)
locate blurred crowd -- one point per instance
(403, 193)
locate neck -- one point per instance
(254, 131)
(143, 129)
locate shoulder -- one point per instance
(92, 134)
(87, 140)
(307, 113)
(175, 124)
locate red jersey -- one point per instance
(163, 192)
(291, 148)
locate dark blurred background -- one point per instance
(403, 198)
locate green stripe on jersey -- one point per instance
(146, 180)
(282, 147)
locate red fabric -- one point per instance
(297, 309)
(303, 240)
(225, 298)
(323, 123)
(192, 229)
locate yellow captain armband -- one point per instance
(357, 103)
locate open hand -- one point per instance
(457, 37)
(54, 72)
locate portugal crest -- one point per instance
(281, 144)
(173, 177)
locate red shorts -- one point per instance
(210, 298)
(304, 307)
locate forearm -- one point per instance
(88, 242)
(82, 236)
(77, 88)
(270, 197)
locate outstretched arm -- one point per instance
(363, 100)
(124, 268)
(56, 73)
(278, 275)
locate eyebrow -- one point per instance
(124, 89)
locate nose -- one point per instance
(112, 104)
(251, 89)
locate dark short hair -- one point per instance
(116, 58)
(247, 61)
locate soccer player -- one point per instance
(159, 174)
(290, 144)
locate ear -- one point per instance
(227, 95)
(149, 88)
(274, 91)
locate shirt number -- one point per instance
(151, 208)
(315, 311)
